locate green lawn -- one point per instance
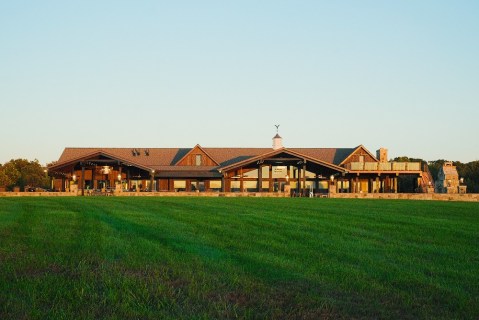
(136, 258)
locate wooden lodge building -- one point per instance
(298, 171)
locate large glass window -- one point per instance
(215, 185)
(235, 186)
(179, 185)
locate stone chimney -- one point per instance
(277, 142)
(382, 155)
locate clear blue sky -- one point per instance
(397, 74)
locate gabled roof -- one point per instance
(279, 151)
(165, 157)
(357, 149)
(156, 156)
(73, 158)
(197, 147)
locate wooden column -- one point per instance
(120, 181)
(270, 187)
(93, 183)
(152, 173)
(298, 179)
(260, 178)
(396, 184)
(128, 179)
(304, 177)
(223, 187)
(82, 180)
(241, 180)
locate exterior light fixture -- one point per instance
(332, 177)
(461, 180)
(119, 177)
(287, 178)
(105, 170)
(74, 177)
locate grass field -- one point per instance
(136, 258)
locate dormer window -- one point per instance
(198, 160)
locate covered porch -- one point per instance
(282, 171)
(101, 173)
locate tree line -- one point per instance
(23, 173)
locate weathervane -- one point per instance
(277, 127)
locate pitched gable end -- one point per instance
(356, 155)
(197, 157)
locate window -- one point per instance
(198, 160)
(179, 185)
(361, 158)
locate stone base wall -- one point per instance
(202, 194)
(469, 197)
(37, 194)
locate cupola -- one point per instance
(277, 140)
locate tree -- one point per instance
(9, 175)
(21, 173)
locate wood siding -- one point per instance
(190, 158)
(355, 156)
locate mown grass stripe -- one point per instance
(247, 257)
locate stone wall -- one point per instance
(37, 194)
(469, 197)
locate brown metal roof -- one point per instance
(165, 158)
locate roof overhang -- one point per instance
(271, 157)
(90, 160)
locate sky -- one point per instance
(403, 75)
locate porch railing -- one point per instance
(383, 166)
